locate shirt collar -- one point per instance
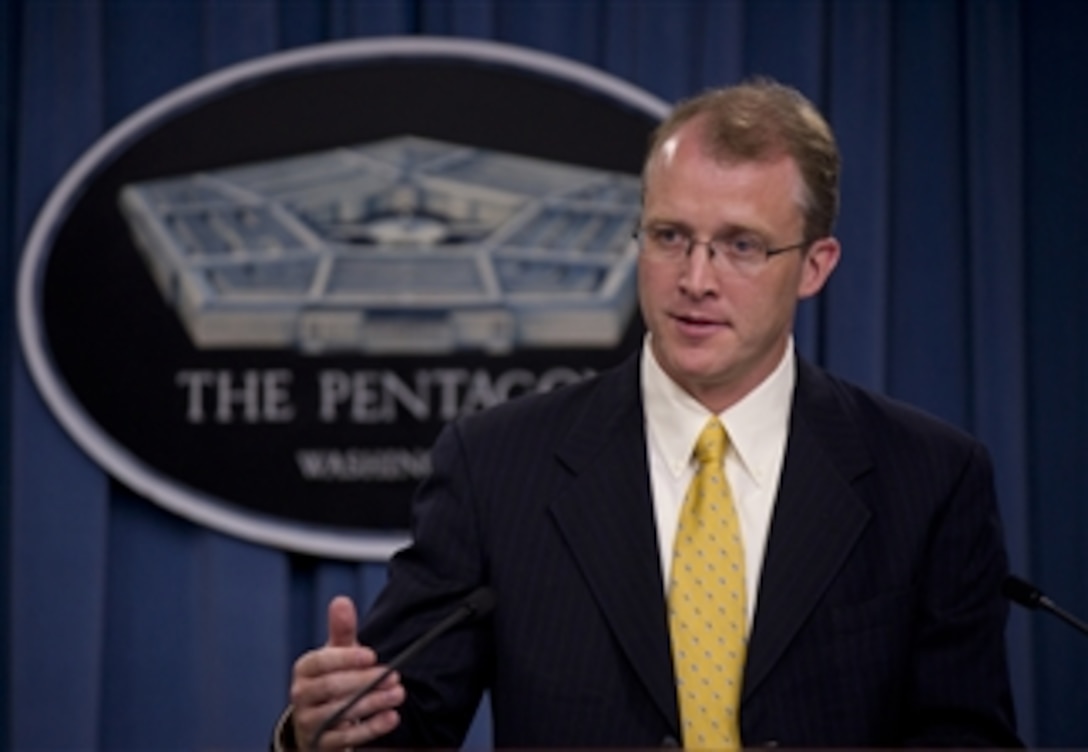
(757, 424)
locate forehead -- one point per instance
(687, 185)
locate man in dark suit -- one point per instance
(870, 554)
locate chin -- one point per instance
(696, 368)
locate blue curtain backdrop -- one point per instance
(962, 290)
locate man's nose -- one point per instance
(699, 274)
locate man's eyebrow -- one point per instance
(726, 230)
(734, 230)
(678, 224)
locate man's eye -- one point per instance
(668, 237)
(745, 245)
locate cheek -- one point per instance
(778, 303)
(758, 307)
(652, 287)
(782, 289)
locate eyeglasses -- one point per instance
(745, 252)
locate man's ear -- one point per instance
(819, 261)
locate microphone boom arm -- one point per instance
(1027, 595)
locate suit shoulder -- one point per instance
(886, 420)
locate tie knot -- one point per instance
(710, 446)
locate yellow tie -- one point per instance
(707, 602)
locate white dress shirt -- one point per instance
(757, 425)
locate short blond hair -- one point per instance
(762, 119)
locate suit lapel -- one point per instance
(606, 517)
(817, 519)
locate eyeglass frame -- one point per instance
(641, 231)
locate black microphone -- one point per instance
(1027, 595)
(476, 605)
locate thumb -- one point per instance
(343, 623)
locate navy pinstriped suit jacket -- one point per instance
(879, 619)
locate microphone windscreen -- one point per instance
(480, 602)
(1021, 592)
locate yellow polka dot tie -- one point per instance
(707, 602)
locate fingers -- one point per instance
(331, 675)
(353, 735)
(343, 622)
(326, 678)
(334, 665)
(371, 716)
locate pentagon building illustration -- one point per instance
(405, 245)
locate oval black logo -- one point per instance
(257, 300)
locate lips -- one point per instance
(696, 325)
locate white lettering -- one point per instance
(520, 380)
(368, 397)
(277, 407)
(247, 395)
(396, 392)
(387, 465)
(449, 380)
(334, 389)
(260, 396)
(384, 397)
(194, 383)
